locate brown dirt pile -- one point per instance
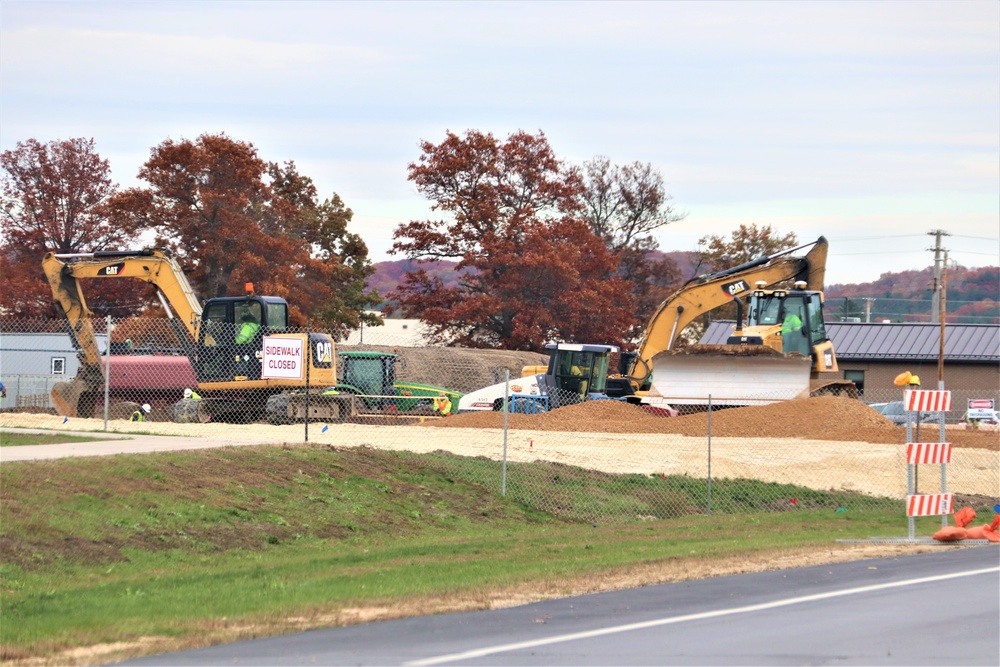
(461, 369)
(817, 418)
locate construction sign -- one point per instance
(282, 358)
(981, 408)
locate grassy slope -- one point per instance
(168, 545)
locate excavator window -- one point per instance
(277, 316)
(766, 310)
(817, 328)
(581, 372)
(247, 309)
(214, 320)
(794, 328)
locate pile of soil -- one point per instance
(462, 369)
(816, 418)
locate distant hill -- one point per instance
(389, 274)
(972, 296)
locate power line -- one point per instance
(881, 252)
(875, 238)
(981, 238)
(973, 252)
(889, 298)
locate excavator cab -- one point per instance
(230, 335)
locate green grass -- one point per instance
(165, 545)
(11, 439)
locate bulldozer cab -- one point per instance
(798, 314)
(577, 371)
(230, 335)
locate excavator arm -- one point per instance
(64, 273)
(708, 292)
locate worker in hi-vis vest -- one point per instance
(442, 404)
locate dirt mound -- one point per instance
(592, 416)
(461, 369)
(818, 418)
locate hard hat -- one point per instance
(187, 393)
(902, 379)
(915, 379)
(146, 408)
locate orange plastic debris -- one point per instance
(950, 534)
(964, 516)
(983, 532)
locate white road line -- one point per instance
(503, 648)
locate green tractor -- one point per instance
(372, 377)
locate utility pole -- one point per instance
(868, 307)
(944, 318)
(938, 250)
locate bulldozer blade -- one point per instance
(730, 375)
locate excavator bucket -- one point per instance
(730, 374)
(66, 397)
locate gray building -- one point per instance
(30, 363)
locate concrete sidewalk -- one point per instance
(108, 444)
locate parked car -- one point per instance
(895, 413)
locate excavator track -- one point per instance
(822, 387)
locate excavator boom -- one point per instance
(708, 292)
(64, 272)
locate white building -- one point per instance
(401, 332)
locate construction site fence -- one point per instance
(662, 460)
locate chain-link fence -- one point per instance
(560, 450)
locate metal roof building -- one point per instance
(872, 354)
(910, 341)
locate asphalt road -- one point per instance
(941, 608)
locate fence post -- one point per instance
(709, 453)
(308, 358)
(107, 374)
(506, 416)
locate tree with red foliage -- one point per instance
(530, 269)
(54, 198)
(232, 218)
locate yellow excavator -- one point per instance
(226, 363)
(767, 358)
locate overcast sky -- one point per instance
(871, 123)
